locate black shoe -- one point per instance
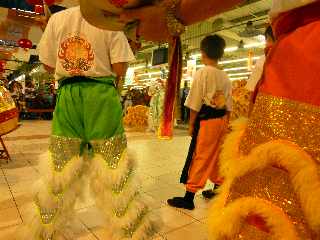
(208, 194)
(180, 202)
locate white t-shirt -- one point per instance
(75, 48)
(280, 6)
(256, 74)
(206, 82)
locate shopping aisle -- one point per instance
(159, 166)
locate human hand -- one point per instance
(153, 23)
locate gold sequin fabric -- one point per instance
(133, 226)
(273, 185)
(279, 118)
(111, 149)
(6, 101)
(62, 150)
(175, 27)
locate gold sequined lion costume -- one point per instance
(271, 161)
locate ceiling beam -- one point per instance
(252, 16)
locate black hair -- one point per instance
(269, 33)
(213, 46)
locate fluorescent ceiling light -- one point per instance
(147, 74)
(234, 61)
(138, 67)
(238, 78)
(235, 69)
(231, 49)
(148, 79)
(254, 45)
(237, 60)
(235, 48)
(239, 74)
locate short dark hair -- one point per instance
(213, 46)
(269, 33)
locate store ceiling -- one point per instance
(232, 25)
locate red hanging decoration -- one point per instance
(21, 42)
(49, 2)
(172, 89)
(25, 43)
(2, 65)
(34, 2)
(38, 9)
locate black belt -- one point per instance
(80, 79)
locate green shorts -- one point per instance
(88, 109)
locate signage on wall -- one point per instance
(8, 43)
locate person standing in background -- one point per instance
(209, 101)
(185, 112)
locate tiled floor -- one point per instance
(159, 165)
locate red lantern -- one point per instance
(2, 65)
(34, 2)
(21, 42)
(25, 43)
(38, 9)
(49, 2)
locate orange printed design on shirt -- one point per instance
(76, 55)
(218, 100)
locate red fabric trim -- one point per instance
(7, 115)
(172, 88)
(258, 222)
(289, 21)
(283, 27)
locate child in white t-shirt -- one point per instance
(210, 102)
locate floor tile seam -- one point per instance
(13, 198)
(189, 215)
(178, 228)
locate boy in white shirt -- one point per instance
(209, 101)
(88, 140)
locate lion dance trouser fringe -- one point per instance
(88, 142)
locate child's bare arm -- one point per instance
(120, 70)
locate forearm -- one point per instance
(189, 10)
(120, 70)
